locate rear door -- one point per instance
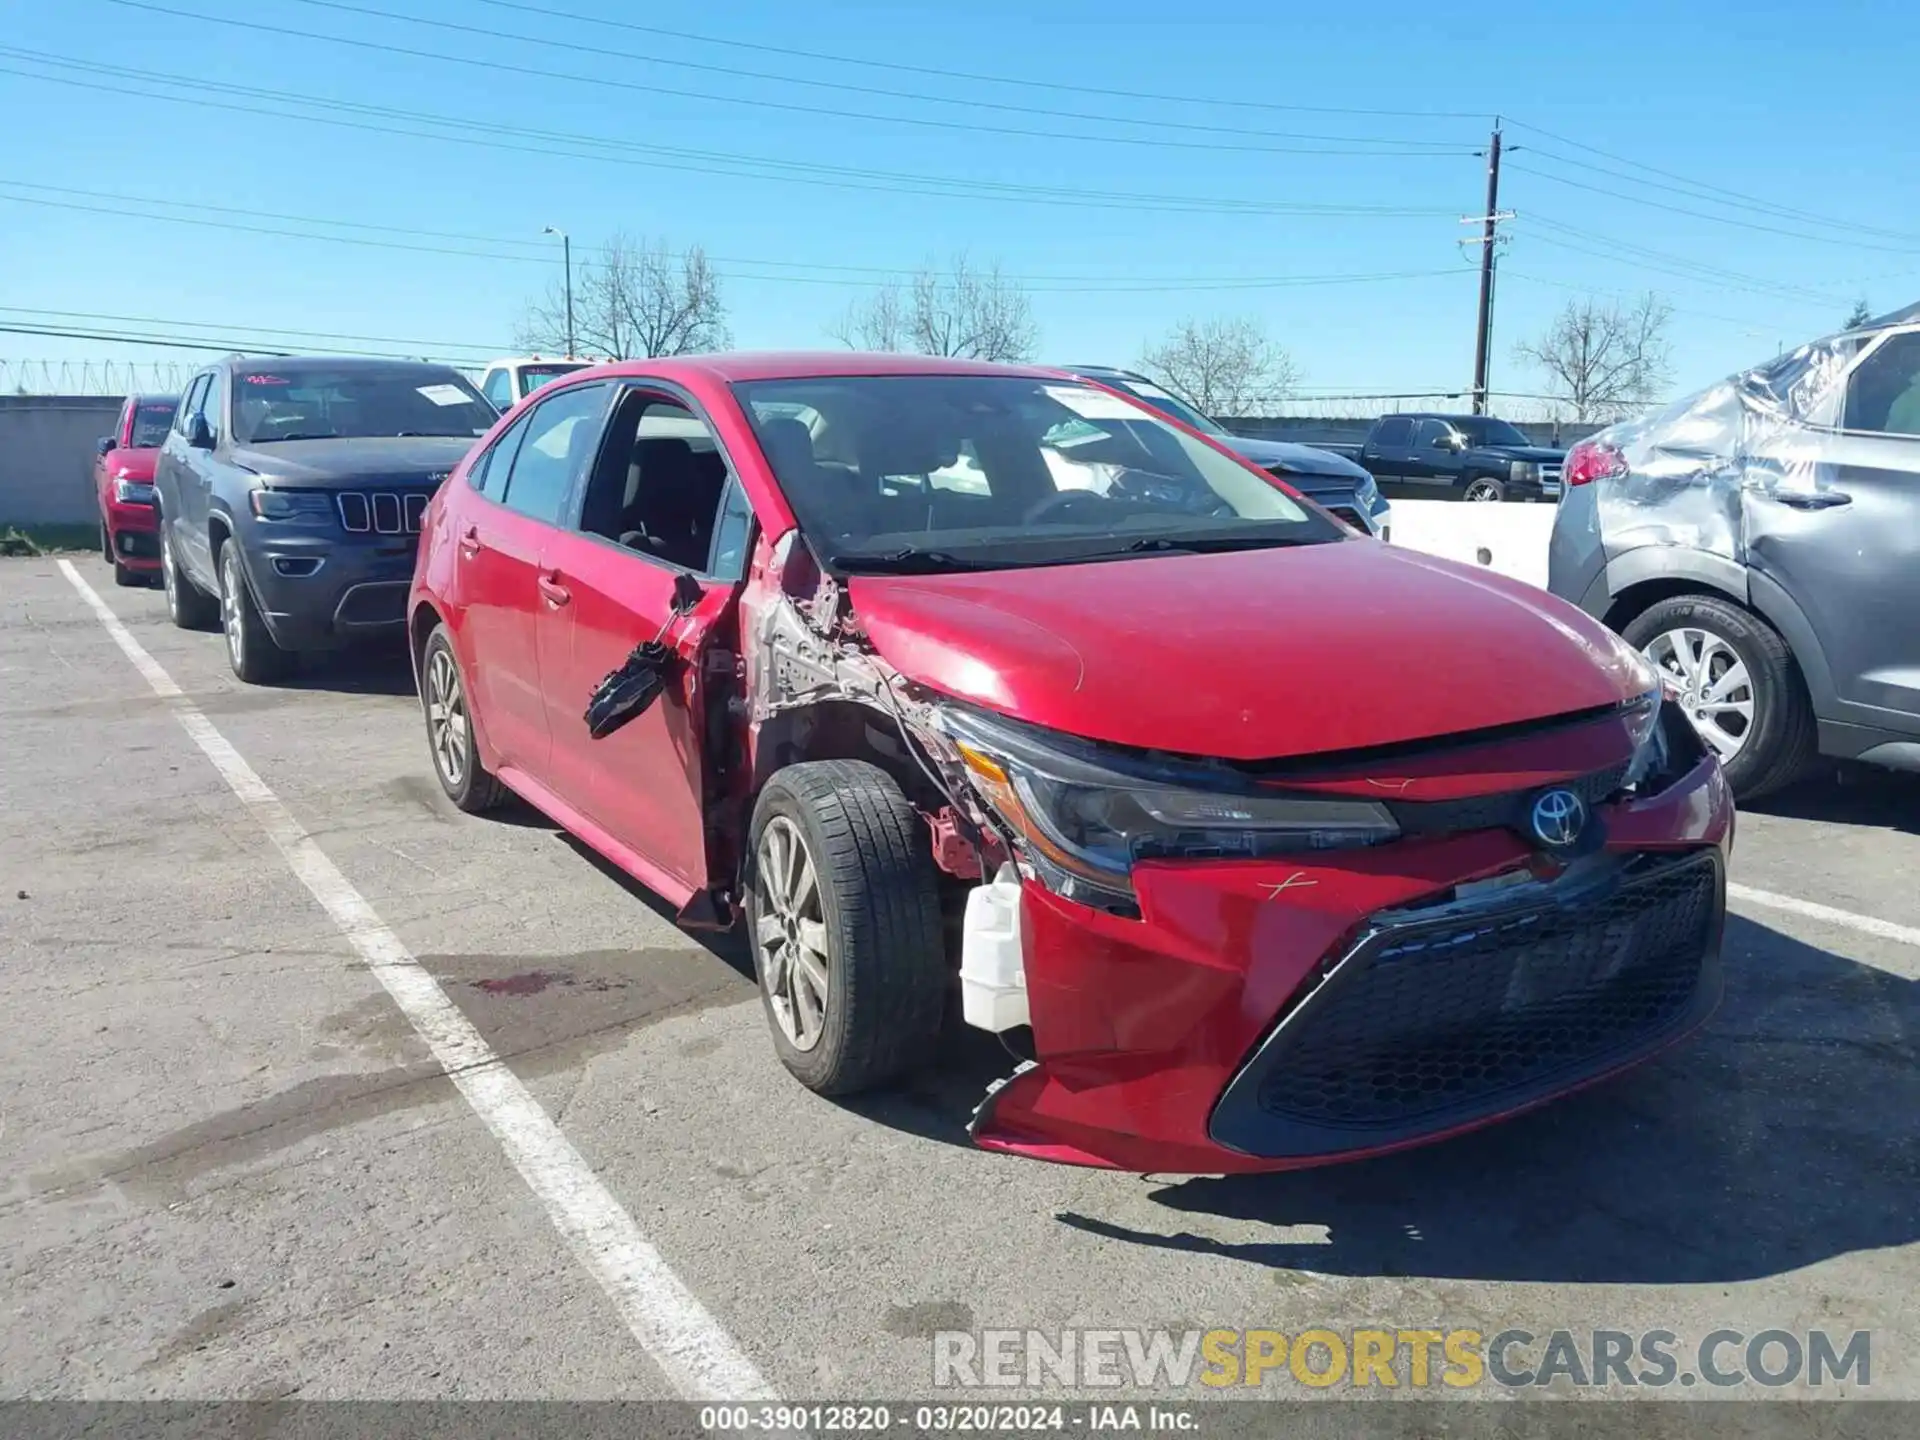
(194, 480)
(1432, 465)
(1847, 547)
(501, 539)
(660, 504)
(1385, 453)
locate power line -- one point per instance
(971, 102)
(731, 165)
(900, 67)
(1734, 198)
(1627, 252)
(73, 315)
(575, 78)
(1700, 214)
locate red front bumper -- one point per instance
(1142, 1026)
(140, 526)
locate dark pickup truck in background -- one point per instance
(1455, 457)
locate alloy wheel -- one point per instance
(791, 933)
(231, 617)
(1483, 492)
(447, 717)
(1709, 681)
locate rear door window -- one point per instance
(1394, 434)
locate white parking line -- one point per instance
(699, 1358)
(1864, 924)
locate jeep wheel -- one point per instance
(456, 759)
(1736, 680)
(844, 917)
(187, 605)
(254, 654)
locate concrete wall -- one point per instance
(1511, 539)
(46, 457)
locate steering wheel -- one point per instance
(1062, 501)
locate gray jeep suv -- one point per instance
(1760, 543)
(290, 494)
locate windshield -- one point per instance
(532, 377)
(957, 472)
(1168, 403)
(151, 421)
(1484, 430)
(299, 403)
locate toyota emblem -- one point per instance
(1558, 818)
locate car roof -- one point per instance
(813, 365)
(294, 364)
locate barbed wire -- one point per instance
(111, 377)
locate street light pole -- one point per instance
(566, 251)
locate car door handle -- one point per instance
(1813, 499)
(552, 591)
(470, 541)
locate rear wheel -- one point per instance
(1737, 682)
(456, 759)
(843, 911)
(189, 607)
(255, 655)
(1484, 491)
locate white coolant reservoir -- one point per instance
(993, 966)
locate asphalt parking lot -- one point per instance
(231, 1167)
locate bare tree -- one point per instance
(1857, 316)
(1604, 359)
(967, 312)
(1221, 366)
(638, 299)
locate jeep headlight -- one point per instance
(1082, 819)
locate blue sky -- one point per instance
(1802, 126)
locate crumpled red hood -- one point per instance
(1252, 655)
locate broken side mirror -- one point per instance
(686, 593)
(626, 693)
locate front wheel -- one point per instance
(1736, 680)
(1484, 491)
(255, 655)
(456, 758)
(843, 911)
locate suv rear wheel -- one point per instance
(456, 758)
(843, 912)
(255, 655)
(188, 606)
(1736, 680)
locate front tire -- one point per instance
(456, 757)
(1738, 683)
(843, 913)
(256, 657)
(187, 605)
(1485, 491)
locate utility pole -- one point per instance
(1489, 221)
(566, 251)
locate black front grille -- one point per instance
(1510, 808)
(382, 512)
(1430, 1022)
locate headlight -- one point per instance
(133, 492)
(299, 507)
(1082, 823)
(1367, 491)
(1525, 471)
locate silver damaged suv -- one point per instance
(1760, 543)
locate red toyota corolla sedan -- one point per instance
(123, 487)
(1262, 843)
